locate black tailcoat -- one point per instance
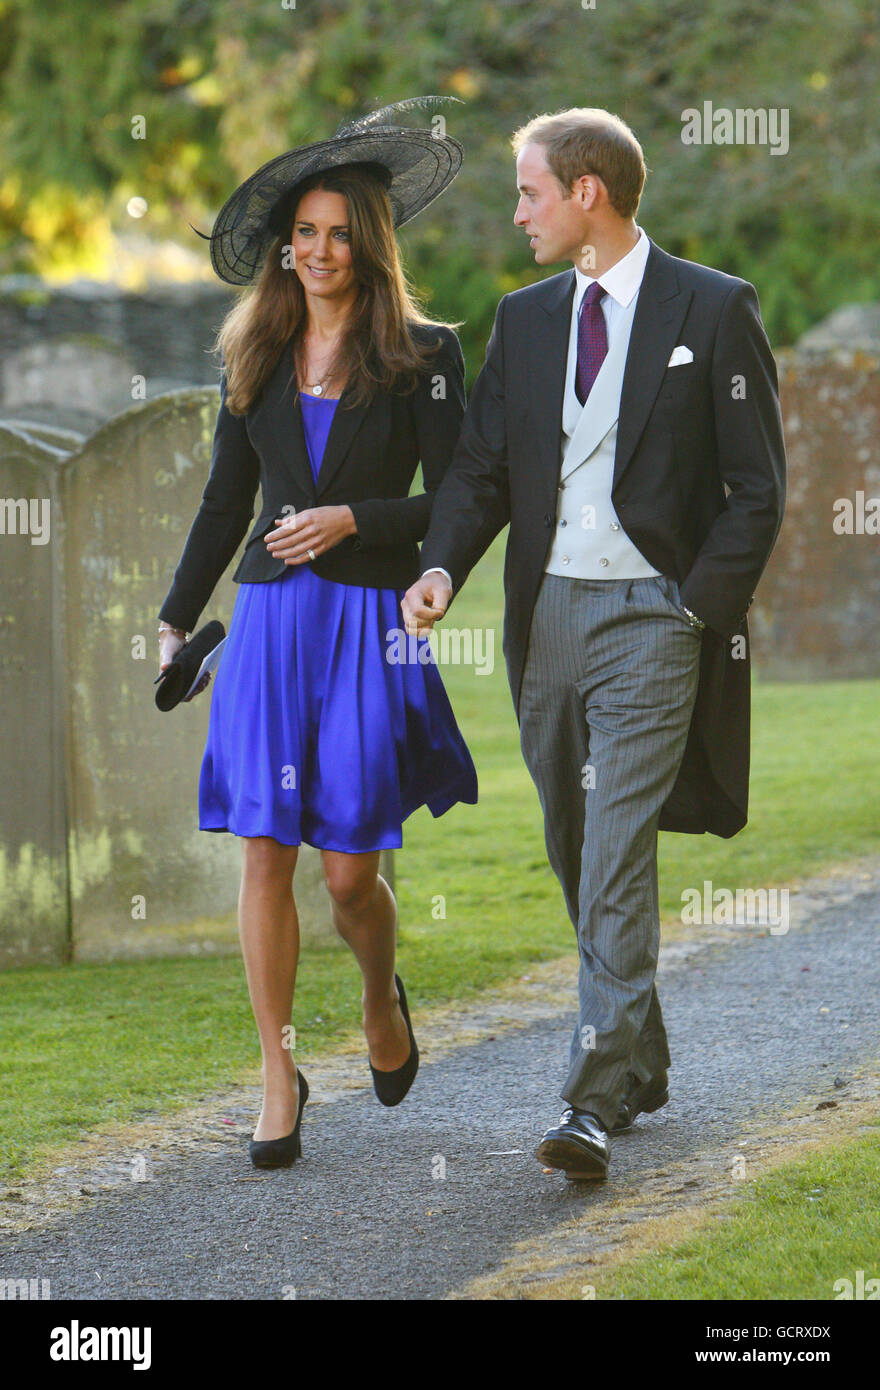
(699, 485)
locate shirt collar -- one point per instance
(622, 280)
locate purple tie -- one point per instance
(592, 341)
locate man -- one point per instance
(626, 424)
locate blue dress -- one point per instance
(314, 735)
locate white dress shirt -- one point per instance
(621, 284)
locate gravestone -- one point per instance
(34, 924)
(144, 879)
(101, 856)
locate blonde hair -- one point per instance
(588, 140)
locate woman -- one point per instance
(335, 386)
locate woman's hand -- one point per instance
(169, 645)
(317, 530)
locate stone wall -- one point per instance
(817, 610)
(68, 354)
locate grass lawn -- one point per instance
(792, 1236)
(88, 1043)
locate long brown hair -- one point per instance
(378, 351)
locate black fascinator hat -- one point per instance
(414, 164)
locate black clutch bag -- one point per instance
(178, 678)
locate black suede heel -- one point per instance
(281, 1153)
(392, 1086)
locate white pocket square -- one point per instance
(680, 355)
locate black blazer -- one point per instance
(699, 485)
(369, 463)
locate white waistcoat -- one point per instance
(589, 541)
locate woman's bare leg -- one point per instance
(268, 928)
(365, 915)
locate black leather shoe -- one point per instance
(578, 1144)
(281, 1153)
(640, 1098)
(392, 1086)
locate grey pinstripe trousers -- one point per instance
(608, 688)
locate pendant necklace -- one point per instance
(316, 387)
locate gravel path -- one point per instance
(756, 1023)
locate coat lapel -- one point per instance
(347, 420)
(284, 412)
(660, 312)
(549, 357)
(284, 415)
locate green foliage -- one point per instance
(224, 87)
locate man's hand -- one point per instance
(425, 602)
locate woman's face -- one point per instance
(322, 245)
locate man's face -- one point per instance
(556, 226)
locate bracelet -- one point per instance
(178, 631)
(694, 620)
